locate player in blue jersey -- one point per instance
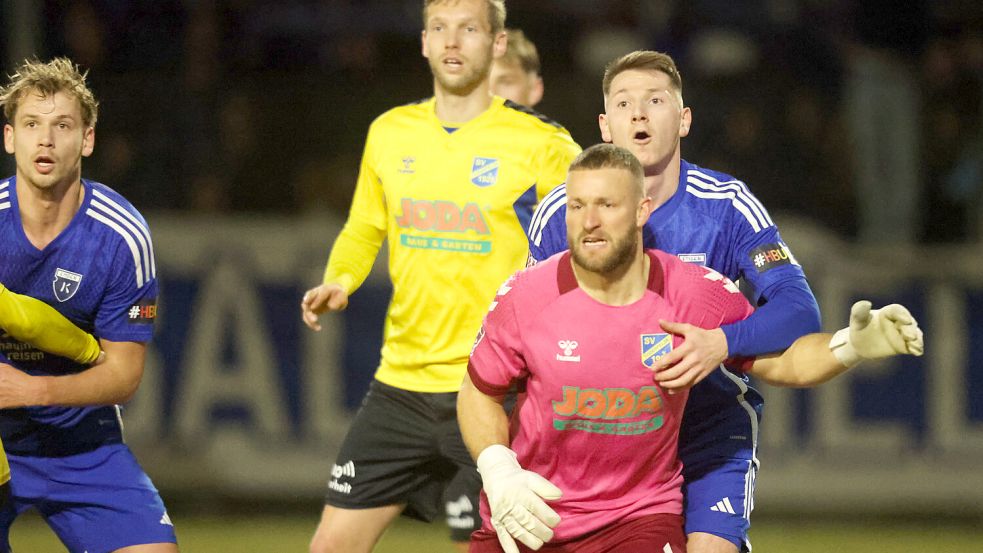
(710, 218)
(83, 249)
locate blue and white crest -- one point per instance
(66, 283)
(484, 171)
(654, 347)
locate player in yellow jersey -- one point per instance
(450, 182)
(34, 322)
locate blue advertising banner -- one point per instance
(241, 397)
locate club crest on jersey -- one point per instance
(654, 347)
(65, 285)
(484, 171)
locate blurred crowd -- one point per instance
(865, 116)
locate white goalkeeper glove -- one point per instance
(515, 496)
(877, 333)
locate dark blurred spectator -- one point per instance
(326, 185)
(953, 131)
(882, 106)
(209, 194)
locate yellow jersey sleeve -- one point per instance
(554, 160)
(357, 246)
(34, 322)
(453, 205)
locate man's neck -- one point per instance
(662, 181)
(457, 108)
(46, 212)
(621, 287)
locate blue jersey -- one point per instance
(713, 220)
(100, 274)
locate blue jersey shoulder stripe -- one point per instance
(742, 192)
(547, 208)
(704, 186)
(136, 226)
(129, 242)
(142, 257)
(4, 194)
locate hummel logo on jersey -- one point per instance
(407, 168)
(66, 283)
(568, 346)
(723, 506)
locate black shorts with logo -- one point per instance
(406, 447)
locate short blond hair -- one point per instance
(643, 59)
(47, 79)
(521, 51)
(609, 156)
(496, 13)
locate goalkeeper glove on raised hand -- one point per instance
(876, 334)
(516, 498)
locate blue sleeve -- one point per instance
(787, 308)
(790, 311)
(548, 229)
(129, 307)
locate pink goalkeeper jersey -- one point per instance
(592, 420)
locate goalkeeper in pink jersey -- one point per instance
(588, 461)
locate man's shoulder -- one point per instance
(6, 191)
(685, 281)
(113, 219)
(107, 200)
(531, 127)
(541, 282)
(550, 213)
(407, 114)
(723, 196)
(691, 169)
(528, 116)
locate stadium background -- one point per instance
(236, 127)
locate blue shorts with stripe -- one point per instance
(96, 502)
(717, 445)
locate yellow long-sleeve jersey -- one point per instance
(454, 205)
(34, 322)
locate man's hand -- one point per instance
(317, 300)
(876, 334)
(18, 389)
(515, 497)
(701, 352)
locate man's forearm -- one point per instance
(807, 362)
(113, 381)
(482, 419)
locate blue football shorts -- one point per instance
(719, 497)
(96, 502)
